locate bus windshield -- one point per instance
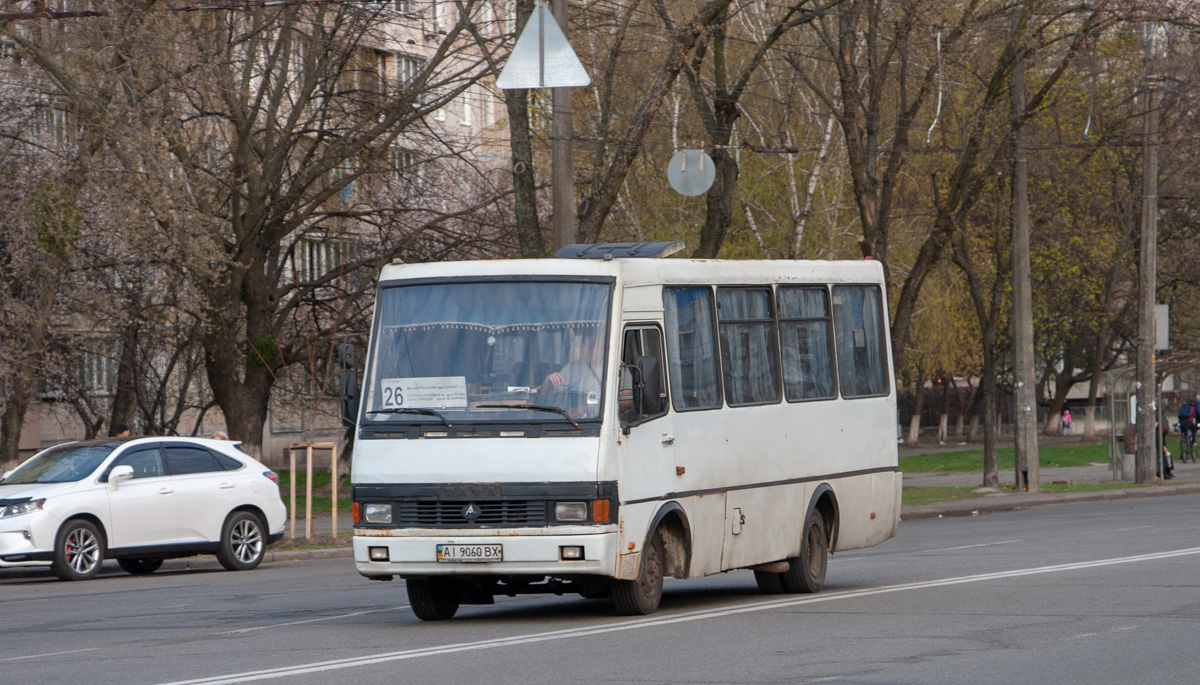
(495, 352)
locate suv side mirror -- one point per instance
(118, 474)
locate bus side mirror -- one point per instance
(345, 355)
(349, 396)
(651, 386)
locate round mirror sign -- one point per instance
(691, 172)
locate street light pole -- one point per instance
(1027, 465)
(1147, 283)
(562, 153)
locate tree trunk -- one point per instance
(914, 423)
(991, 452)
(125, 400)
(719, 206)
(529, 232)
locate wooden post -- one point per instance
(308, 493)
(333, 482)
(292, 500)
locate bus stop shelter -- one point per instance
(1176, 378)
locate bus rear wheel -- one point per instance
(642, 596)
(434, 599)
(806, 572)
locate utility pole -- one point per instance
(562, 153)
(1147, 385)
(1025, 421)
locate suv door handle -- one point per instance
(225, 486)
(165, 491)
(668, 440)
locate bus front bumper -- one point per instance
(414, 552)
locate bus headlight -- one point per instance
(570, 511)
(377, 513)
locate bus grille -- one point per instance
(504, 514)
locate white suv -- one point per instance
(139, 501)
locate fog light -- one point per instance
(377, 513)
(378, 553)
(570, 553)
(570, 511)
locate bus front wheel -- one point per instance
(642, 596)
(433, 599)
(807, 571)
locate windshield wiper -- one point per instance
(414, 410)
(535, 407)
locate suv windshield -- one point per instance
(489, 351)
(63, 464)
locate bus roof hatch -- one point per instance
(619, 250)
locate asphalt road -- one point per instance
(1098, 592)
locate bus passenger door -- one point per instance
(647, 449)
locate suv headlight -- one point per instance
(377, 513)
(22, 508)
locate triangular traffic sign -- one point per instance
(542, 57)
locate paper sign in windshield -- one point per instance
(431, 392)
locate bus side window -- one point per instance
(806, 339)
(642, 359)
(695, 376)
(749, 352)
(859, 337)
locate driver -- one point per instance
(579, 380)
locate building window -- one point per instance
(465, 118)
(315, 258)
(98, 367)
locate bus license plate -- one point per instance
(470, 553)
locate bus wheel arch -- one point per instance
(671, 524)
(806, 571)
(824, 503)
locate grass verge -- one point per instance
(965, 461)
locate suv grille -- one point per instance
(503, 514)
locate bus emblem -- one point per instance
(471, 512)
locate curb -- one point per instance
(210, 562)
(984, 505)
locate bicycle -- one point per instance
(1187, 444)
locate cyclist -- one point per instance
(1188, 415)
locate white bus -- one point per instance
(592, 424)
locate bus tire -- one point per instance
(806, 572)
(434, 599)
(769, 583)
(642, 596)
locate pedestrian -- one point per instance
(120, 431)
(220, 435)
(1066, 420)
(1168, 466)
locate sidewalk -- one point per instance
(1186, 481)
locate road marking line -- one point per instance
(38, 656)
(310, 620)
(982, 544)
(764, 605)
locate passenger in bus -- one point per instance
(576, 386)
